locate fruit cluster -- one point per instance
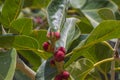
(58, 54)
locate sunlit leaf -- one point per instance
(10, 11)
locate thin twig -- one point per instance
(115, 54)
(25, 69)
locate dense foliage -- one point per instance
(41, 39)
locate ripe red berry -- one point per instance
(59, 56)
(54, 35)
(46, 45)
(62, 49)
(57, 35)
(38, 20)
(52, 62)
(65, 74)
(58, 77)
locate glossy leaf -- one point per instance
(105, 31)
(76, 42)
(20, 42)
(94, 54)
(106, 14)
(10, 11)
(46, 71)
(93, 16)
(69, 33)
(77, 3)
(7, 64)
(40, 3)
(80, 68)
(33, 59)
(97, 4)
(84, 25)
(117, 2)
(91, 10)
(56, 13)
(40, 36)
(22, 26)
(20, 75)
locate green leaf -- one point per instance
(106, 14)
(93, 16)
(80, 68)
(0, 30)
(85, 25)
(94, 54)
(20, 75)
(76, 42)
(77, 3)
(40, 36)
(7, 64)
(23, 26)
(105, 31)
(117, 2)
(97, 4)
(46, 71)
(10, 11)
(32, 58)
(40, 3)
(69, 33)
(20, 42)
(90, 9)
(56, 13)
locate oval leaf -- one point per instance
(22, 25)
(46, 71)
(80, 68)
(105, 31)
(106, 14)
(69, 33)
(19, 42)
(56, 13)
(7, 64)
(10, 11)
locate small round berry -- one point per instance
(38, 20)
(62, 49)
(46, 46)
(57, 35)
(58, 77)
(53, 35)
(50, 34)
(65, 74)
(59, 56)
(52, 62)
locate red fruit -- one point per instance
(38, 20)
(54, 35)
(62, 49)
(52, 62)
(65, 74)
(46, 46)
(58, 77)
(57, 35)
(59, 56)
